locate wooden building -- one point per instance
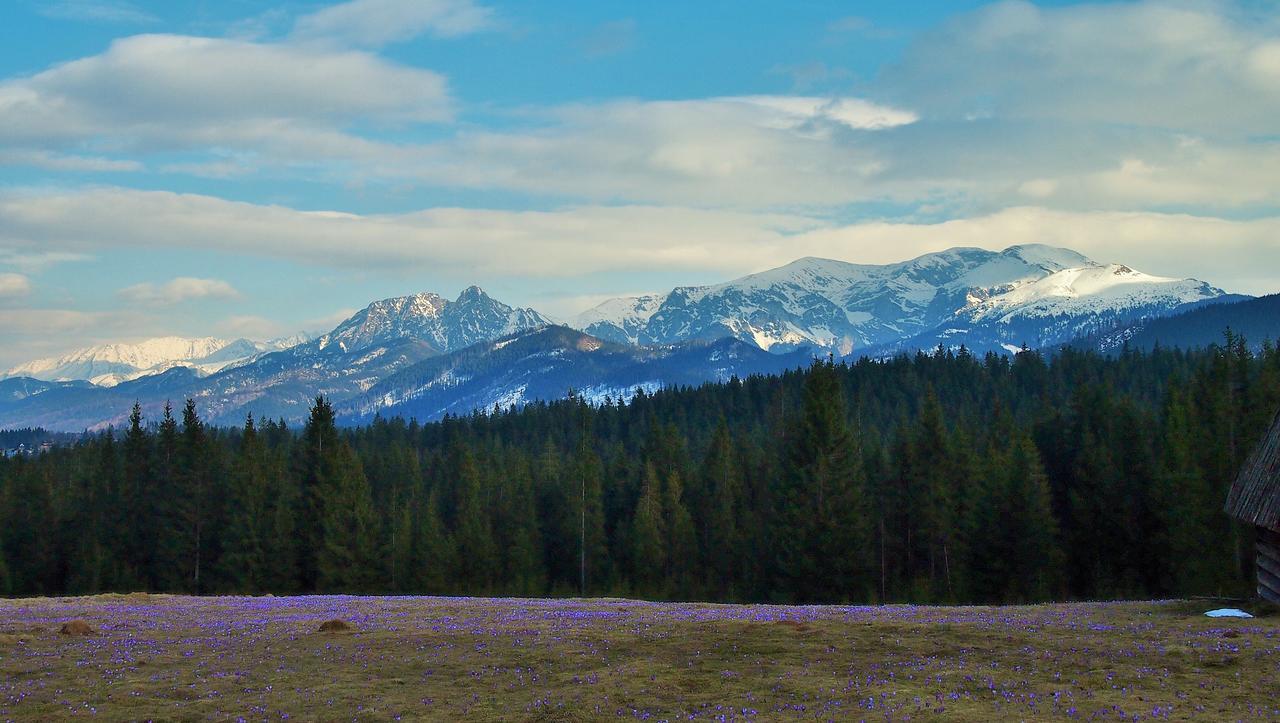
(1255, 499)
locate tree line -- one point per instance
(943, 477)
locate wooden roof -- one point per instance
(1255, 495)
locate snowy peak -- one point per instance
(840, 307)
(110, 364)
(385, 319)
(1092, 289)
(445, 325)
(622, 319)
(1049, 258)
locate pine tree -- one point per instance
(476, 563)
(599, 564)
(194, 480)
(722, 539)
(244, 558)
(347, 560)
(138, 505)
(92, 568)
(433, 553)
(932, 502)
(283, 495)
(1029, 527)
(820, 536)
(681, 540)
(30, 520)
(319, 440)
(519, 533)
(649, 538)
(172, 501)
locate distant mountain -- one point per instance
(373, 344)
(1257, 320)
(547, 362)
(443, 325)
(425, 356)
(1034, 294)
(110, 364)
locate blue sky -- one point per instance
(245, 168)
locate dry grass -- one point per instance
(177, 658)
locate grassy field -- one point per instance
(178, 658)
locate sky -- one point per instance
(238, 168)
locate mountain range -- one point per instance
(107, 365)
(1034, 294)
(425, 356)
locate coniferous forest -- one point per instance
(936, 478)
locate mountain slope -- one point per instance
(444, 325)
(962, 295)
(544, 363)
(372, 345)
(1257, 320)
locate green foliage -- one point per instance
(932, 478)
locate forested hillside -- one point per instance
(933, 478)
(1258, 320)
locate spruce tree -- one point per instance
(722, 540)
(139, 510)
(432, 550)
(194, 487)
(315, 449)
(681, 539)
(476, 563)
(244, 559)
(820, 536)
(348, 559)
(1029, 527)
(171, 500)
(648, 538)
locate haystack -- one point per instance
(336, 626)
(75, 627)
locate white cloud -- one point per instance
(44, 321)
(156, 92)
(373, 23)
(12, 285)
(249, 327)
(472, 244)
(856, 113)
(32, 261)
(1205, 66)
(109, 11)
(327, 322)
(176, 291)
(1238, 255)
(63, 162)
(466, 241)
(741, 151)
(1003, 106)
(34, 333)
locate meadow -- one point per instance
(413, 658)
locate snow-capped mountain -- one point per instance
(1036, 294)
(373, 344)
(473, 317)
(110, 364)
(623, 319)
(425, 356)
